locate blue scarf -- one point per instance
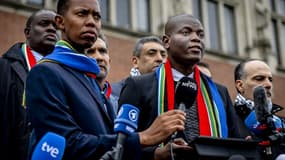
(64, 53)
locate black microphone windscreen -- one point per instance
(186, 91)
(260, 104)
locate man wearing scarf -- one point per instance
(62, 94)
(148, 54)
(210, 115)
(248, 75)
(40, 33)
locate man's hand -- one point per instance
(163, 126)
(178, 146)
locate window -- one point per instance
(213, 25)
(282, 55)
(283, 31)
(278, 30)
(274, 40)
(123, 13)
(196, 9)
(272, 5)
(36, 2)
(143, 15)
(281, 7)
(230, 29)
(104, 4)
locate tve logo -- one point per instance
(53, 151)
(50, 147)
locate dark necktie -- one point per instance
(192, 123)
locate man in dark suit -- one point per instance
(62, 94)
(210, 115)
(40, 33)
(148, 54)
(249, 74)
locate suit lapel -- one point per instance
(81, 77)
(20, 70)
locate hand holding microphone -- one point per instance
(162, 127)
(171, 121)
(185, 94)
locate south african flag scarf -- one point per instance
(211, 110)
(29, 57)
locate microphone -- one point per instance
(50, 147)
(261, 105)
(126, 123)
(185, 93)
(261, 121)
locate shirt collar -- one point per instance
(178, 75)
(37, 55)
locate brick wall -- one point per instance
(12, 30)
(12, 26)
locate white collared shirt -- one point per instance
(37, 56)
(177, 75)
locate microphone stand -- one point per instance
(117, 152)
(110, 155)
(271, 138)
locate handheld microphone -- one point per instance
(261, 104)
(125, 124)
(50, 147)
(185, 93)
(261, 121)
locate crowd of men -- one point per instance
(58, 83)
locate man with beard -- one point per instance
(248, 75)
(100, 52)
(148, 54)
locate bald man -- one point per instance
(184, 42)
(40, 33)
(248, 75)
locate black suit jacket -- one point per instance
(141, 91)
(14, 130)
(62, 100)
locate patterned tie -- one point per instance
(192, 123)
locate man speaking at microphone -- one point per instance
(211, 114)
(249, 75)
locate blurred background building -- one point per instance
(235, 30)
